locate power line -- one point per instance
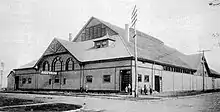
(203, 67)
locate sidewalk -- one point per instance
(115, 96)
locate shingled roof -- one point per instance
(85, 51)
(151, 48)
(28, 65)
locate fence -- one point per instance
(172, 81)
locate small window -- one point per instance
(23, 80)
(29, 80)
(89, 79)
(146, 78)
(50, 81)
(57, 81)
(64, 81)
(98, 45)
(104, 44)
(139, 78)
(106, 78)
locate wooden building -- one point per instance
(101, 58)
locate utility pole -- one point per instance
(203, 68)
(2, 70)
(133, 25)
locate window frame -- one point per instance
(54, 64)
(24, 80)
(44, 66)
(148, 78)
(56, 80)
(139, 77)
(87, 77)
(68, 61)
(29, 80)
(105, 81)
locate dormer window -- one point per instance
(103, 43)
(98, 44)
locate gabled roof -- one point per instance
(149, 48)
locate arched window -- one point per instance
(69, 64)
(46, 66)
(57, 64)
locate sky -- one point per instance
(28, 26)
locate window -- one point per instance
(106, 78)
(98, 45)
(50, 81)
(89, 79)
(146, 78)
(139, 78)
(101, 43)
(69, 64)
(46, 66)
(104, 43)
(64, 81)
(57, 81)
(23, 80)
(57, 64)
(29, 80)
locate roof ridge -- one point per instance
(138, 31)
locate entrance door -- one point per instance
(16, 82)
(157, 83)
(126, 79)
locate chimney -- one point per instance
(127, 33)
(70, 37)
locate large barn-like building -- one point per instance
(101, 58)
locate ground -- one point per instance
(208, 102)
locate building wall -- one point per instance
(146, 69)
(27, 85)
(11, 81)
(97, 70)
(76, 78)
(171, 81)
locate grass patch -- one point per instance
(7, 101)
(44, 107)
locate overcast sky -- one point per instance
(28, 26)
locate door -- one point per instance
(157, 83)
(16, 82)
(125, 79)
